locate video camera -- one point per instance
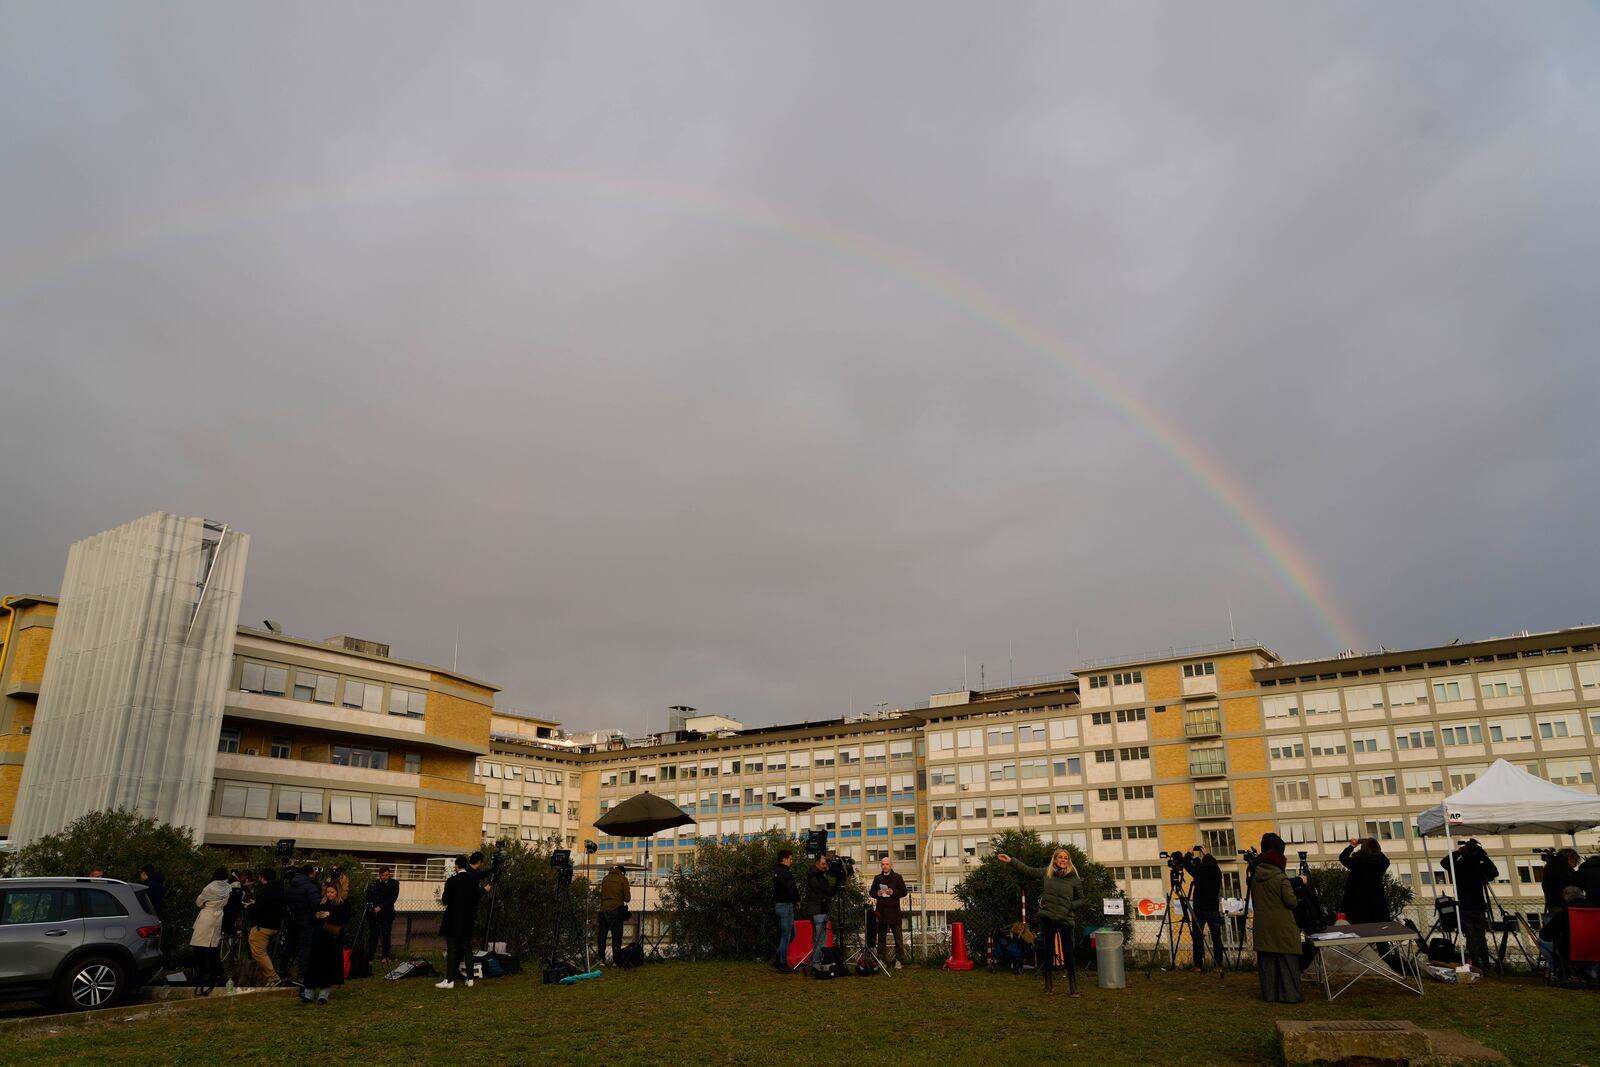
(1546, 854)
(816, 843)
(841, 867)
(1252, 856)
(560, 862)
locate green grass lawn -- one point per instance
(683, 1014)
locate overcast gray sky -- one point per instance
(769, 357)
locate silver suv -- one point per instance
(76, 943)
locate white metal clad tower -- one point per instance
(131, 705)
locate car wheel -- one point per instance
(91, 982)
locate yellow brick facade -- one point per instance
(1252, 796)
(1246, 755)
(1171, 761)
(1162, 683)
(458, 718)
(1241, 715)
(451, 825)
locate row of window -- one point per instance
(1135, 677)
(510, 803)
(777, 761)
(250, 800)
(340, 755)
(514, 772)
(318, 688)
(1105, 718)
(1509, 729)
(1494, 685)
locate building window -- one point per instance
(1199, 670)
(1098, 681)
(317, 688)
(1131, 715)
(1138, 792)
(1461, 734)
(367, 696)
(1069, 803)
(1144, 832)
(1100, 718)
(350, 810)
(1219, 843)
(280, 748)
(300, 805)
(1111, 833)
(352, 756)
(397, 811)
(228, 741)
(1105, 755)
(1287, 790)
(260, 678)
(1106, 795)
(413, 763)
(1063, 766)
(412, 703)
(1136, 753)
(241, 800)
(1411, 740)
(1445, 692)
(1127, 678)
(1288, 750)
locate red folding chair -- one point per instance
(1583, 924)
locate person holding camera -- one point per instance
(1277, 933)
(615, 892)
(382, 896)
(1474, 870)
(819, 897)
(1059, 903)
(460, 897)
(266, 916)
(1205, 904)
(785, 895)
(326, 967)
(1364, 898)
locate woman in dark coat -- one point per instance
(326, 968)
(1364, 898)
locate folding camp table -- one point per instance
(1343, 946)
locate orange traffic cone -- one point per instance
(958, 949)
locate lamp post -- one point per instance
(927, 867)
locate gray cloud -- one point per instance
(607, 333)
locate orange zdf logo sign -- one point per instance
(1151, 907)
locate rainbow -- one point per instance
(1288, 561)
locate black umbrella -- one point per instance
(641, 816)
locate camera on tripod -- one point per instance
(841, 867)
(1252, 856)
(816, 843)
(1546, 854)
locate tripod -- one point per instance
(1244, 921)
(1512, 925)
(867, 949)
(1172, 930)
(565, 914)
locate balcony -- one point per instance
(308, 772)
(1208, 768)
(1206, 724)
(1213, 809)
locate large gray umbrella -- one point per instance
(642, 816)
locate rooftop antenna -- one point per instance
(1011, 664)
(1233, 639)
(965, 684)
(455, 657)
(982, 685)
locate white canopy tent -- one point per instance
(1506, 799)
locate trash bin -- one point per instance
(1108, 959)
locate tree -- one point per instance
(719, 905)
(121, 842)
(1329, 882)
(991, 895)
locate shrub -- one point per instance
(719, 905)
(121, 842)
(524, 900)
(1329, 882)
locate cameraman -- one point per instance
(300, 899)
(819, 894)
(785, 895)
(1205, 904)
(614, 896)
(266, 916)
(1474, 870)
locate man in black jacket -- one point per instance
(300, 901)
(1474, 871)
(1205, 904)
(819, 895)
(785, 895)
(887, 890)
(462, 891)
(266, 916)
(381, 897)
(1587, 878)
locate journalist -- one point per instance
(207, 932)
(615, 893)
(382, 895)
(1205, 904)
(819, 896)
(1560, 871)
(1059, 902)
(1277, 934)
(1364, 898)
(785, 895)
(887, 890)
(326, 968)
(300, 898)
(460, 897)
(1474, 871)
(266, 917)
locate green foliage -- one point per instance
(720, 904)
(524, 899)
(991, 894)
(1329, 882)
(121, 842)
